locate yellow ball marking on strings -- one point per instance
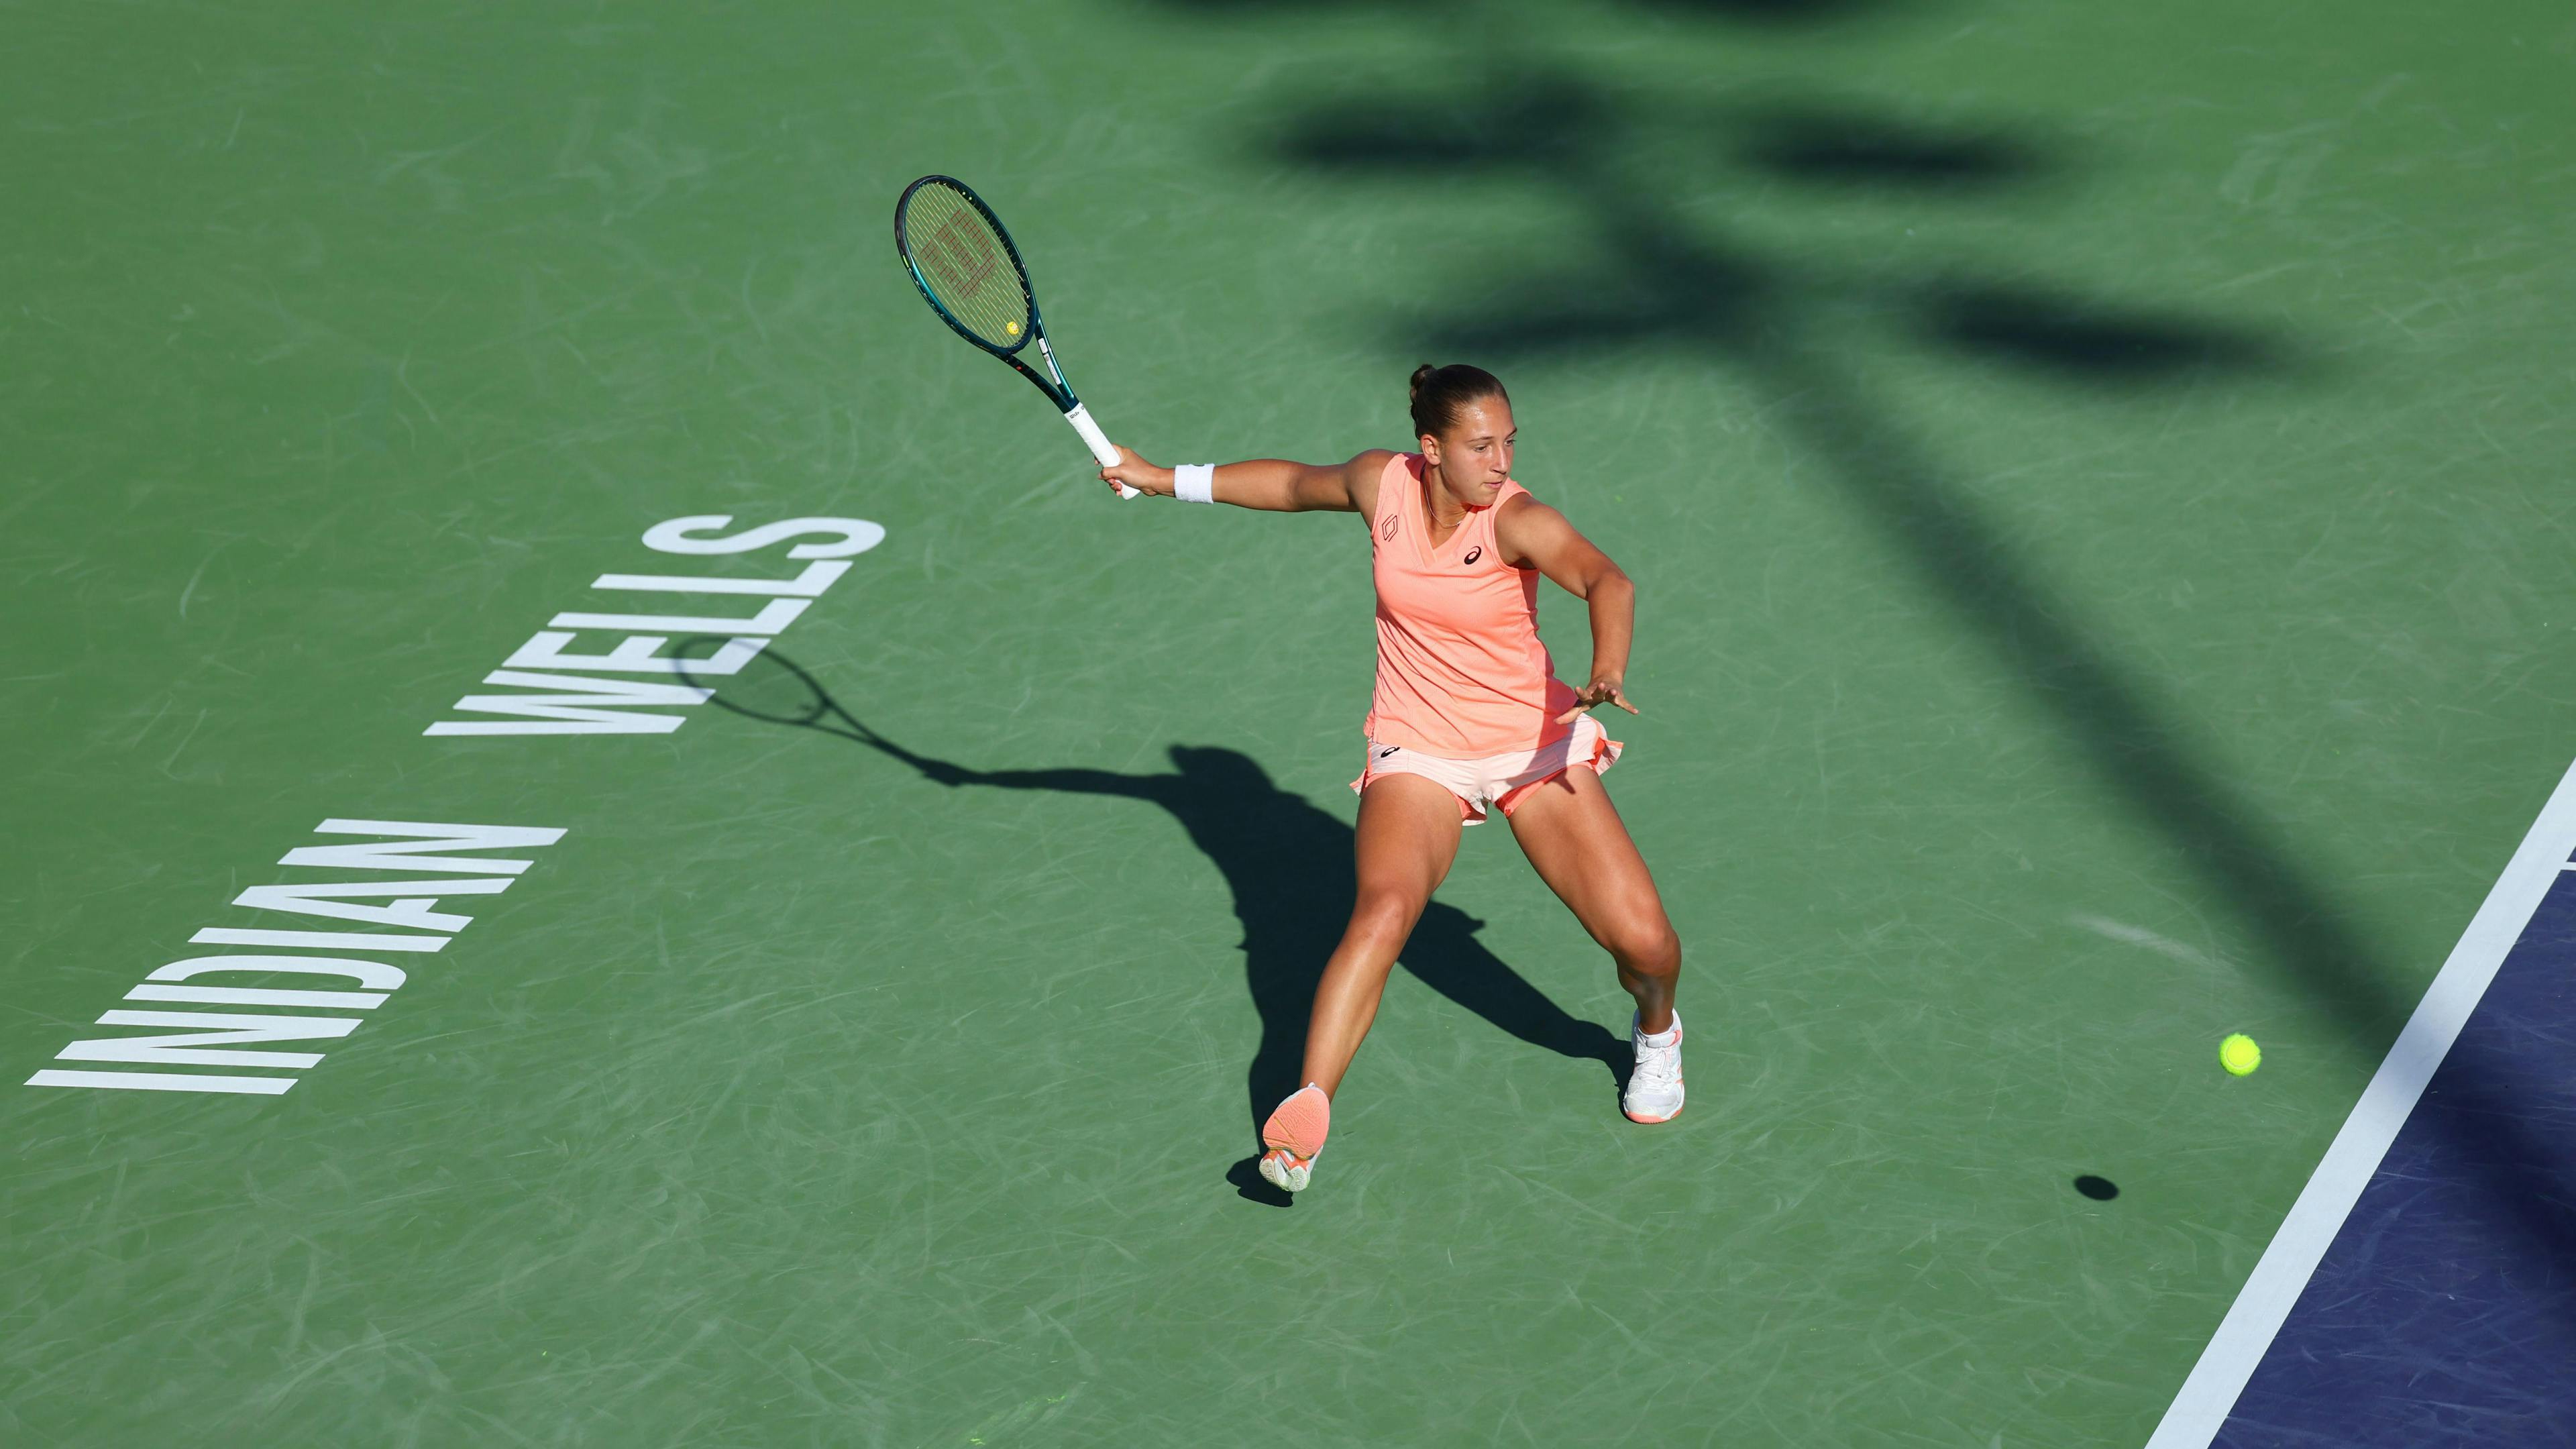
(1012, 328)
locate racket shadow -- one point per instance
(1286, 861)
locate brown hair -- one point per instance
(1440, 394)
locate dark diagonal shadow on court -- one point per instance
(1287, 862)
(1642, 268)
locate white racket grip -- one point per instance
(1098, 442)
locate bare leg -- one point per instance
(1577, 843)
(1408, 836)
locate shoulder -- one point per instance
(1525, 528)
(1363, 475)
(1521, 513)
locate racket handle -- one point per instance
(1098, 442)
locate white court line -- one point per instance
(2201, 1408)
(165, 1082)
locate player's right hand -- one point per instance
(1138, 474)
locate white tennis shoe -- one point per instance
(1655, 1086)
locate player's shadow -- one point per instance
(1288, 863)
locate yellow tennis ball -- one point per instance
(2239, 1054)
(1012, 328)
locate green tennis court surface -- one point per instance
(2099, 487)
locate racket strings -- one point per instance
(966, 264)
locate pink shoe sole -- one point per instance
(1293, 1135)
(1299, 1124)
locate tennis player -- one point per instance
(1468, 717)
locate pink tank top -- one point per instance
(1460, 670)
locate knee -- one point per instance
(1648, 946)
(1384, 918)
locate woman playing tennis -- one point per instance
(1468, 716)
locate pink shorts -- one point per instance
(1503, 780)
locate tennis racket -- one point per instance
(973, 278)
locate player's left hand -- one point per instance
(1604, 689)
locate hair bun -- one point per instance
(1439, 394)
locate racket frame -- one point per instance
(1059, 392)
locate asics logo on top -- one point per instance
(1474, 554)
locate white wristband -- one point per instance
(1194, 482)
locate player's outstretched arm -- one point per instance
(1272, 484)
